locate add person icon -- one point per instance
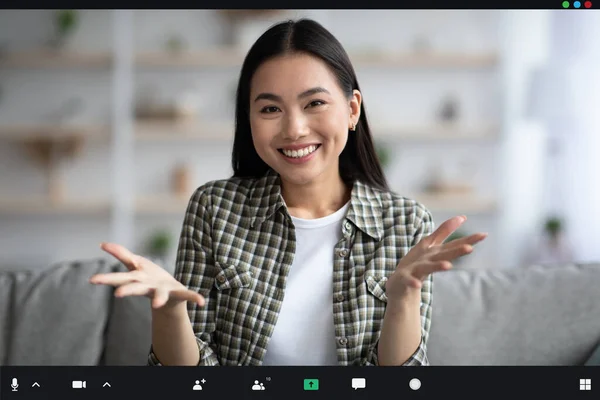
(197, 386)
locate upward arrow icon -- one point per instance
(106, 384)
(35, 384)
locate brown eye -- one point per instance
(316, 103)
(269, 110)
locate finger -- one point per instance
(130, 260)
(133, 289)
(471, 240)
(161, 296)
(424, 269)
(189, 295)
(115, 278)
(452, 253)
(444, 231)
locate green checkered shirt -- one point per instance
(237, 246)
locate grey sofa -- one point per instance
(531, 316)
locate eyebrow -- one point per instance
(306, 93)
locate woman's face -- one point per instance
(300, 118)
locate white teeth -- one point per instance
(300, 153)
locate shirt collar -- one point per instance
(365, 210)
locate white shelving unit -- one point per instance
(125, 133)
(165, 131)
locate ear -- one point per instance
(354, 103)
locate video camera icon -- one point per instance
(79, 384)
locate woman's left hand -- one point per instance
(430, 255)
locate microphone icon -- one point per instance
(14, 384)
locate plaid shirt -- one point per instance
(237, 246)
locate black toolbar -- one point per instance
(298, 382)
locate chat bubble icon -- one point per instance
(359, 383)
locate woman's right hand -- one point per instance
(145, 279)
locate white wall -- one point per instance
(576, 122)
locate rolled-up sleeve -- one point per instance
(419, 357)
(424, 227)
(195, 268)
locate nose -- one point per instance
(295, 126)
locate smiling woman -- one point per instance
(304, 256)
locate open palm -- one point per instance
(145, 279)
(430, 255)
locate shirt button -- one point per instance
(343, 341)
(339, 297)
(348, 225)
(221, 279)
(342, 252)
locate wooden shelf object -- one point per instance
(166, 204)
(53, 59)
(48, 146)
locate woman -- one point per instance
(304, 256)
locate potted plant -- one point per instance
(65, 23)
(553, 248)
(553, 228)
(159, 244)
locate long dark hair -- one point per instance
(358, 160)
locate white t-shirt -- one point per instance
(304, 333)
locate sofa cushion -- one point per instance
(6, 293)
(594, 359)
(531, 316)
(59, 318)
(129, 331)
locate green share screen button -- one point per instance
(311, 384)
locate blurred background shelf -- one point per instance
(233, 57)
(424, 60)
(435, 132)
(183, 130)
(54, 131)
(46, 206)
(455, 203)
(55, 59)
(218, 57)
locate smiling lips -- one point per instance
(300, 153)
